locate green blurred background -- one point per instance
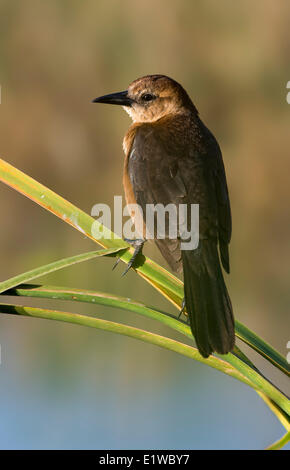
(64, 386)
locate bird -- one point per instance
(172, 157)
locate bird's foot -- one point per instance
(138, 246)
(182, 308)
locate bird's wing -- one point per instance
(206, 185)
(224, 211)
(155, 178)
(163, 170)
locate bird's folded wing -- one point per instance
(162, 171)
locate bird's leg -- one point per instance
(138, 246)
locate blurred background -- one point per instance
(64, 386)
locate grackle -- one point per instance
(172, 158)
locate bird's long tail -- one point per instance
(207, 300)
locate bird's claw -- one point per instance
(116, 263)
(129, 266)
(138, 245)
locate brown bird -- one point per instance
(171, 157)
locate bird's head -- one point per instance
(150, 98)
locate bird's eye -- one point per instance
(147, 97)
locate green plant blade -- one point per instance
(281, 415)
(126, 330)
(89, 296)
(262, 347)
(258, 383)
(280, 443)
(165, 282)
(62, 293)
(99, 298)
(55, 266)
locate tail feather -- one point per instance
(207, 300)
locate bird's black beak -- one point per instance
(120, 98)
